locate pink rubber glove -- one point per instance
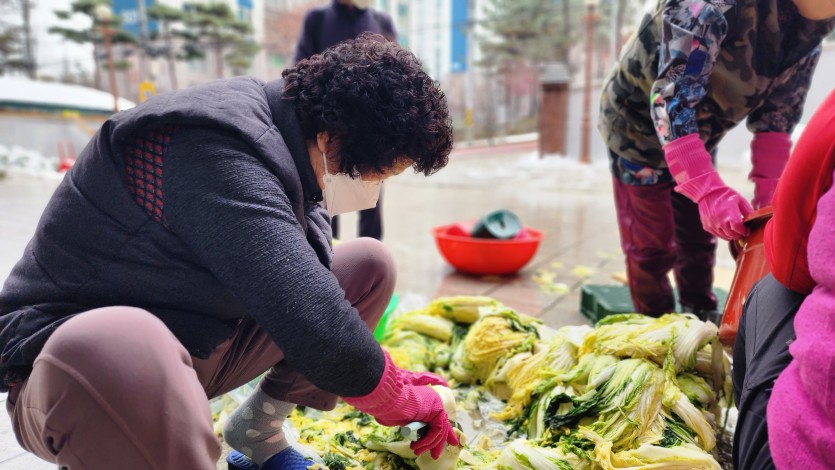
(769, 154)
(720, 207)
(422, 378)
(397, 401)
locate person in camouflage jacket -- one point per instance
(693, 71)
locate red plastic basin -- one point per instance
(486, 256)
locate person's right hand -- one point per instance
(721, 209)
(400, 399)
(422, 378)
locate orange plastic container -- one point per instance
(751, 266)
(486, 256)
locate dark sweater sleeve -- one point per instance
(233, 213)
(783, 107)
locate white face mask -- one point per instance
(345, 194)
(816, 9)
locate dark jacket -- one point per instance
(239, 233)
(326, 26)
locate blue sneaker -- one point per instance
(238, 461)
(287, 459)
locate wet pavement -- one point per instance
(570, 203)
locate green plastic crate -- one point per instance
(600, 300)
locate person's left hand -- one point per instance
(769, 154)
(396, 401)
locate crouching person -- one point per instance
(188, 251)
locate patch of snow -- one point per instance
(24, 91)
(550, 172)
(16, 160)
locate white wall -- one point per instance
(429, 34)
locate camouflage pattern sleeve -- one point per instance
(691, 36)
(783, 106)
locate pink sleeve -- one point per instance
(814, 349)
(801, 411)
(769, 154)
(821, 246)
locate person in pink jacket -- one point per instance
(784, 356)
(801, 410)
(780, 311)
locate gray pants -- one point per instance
(760, 355)
(114, 389)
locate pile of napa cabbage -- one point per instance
(633, 392)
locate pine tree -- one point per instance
(215, 27)
(92, 34)
(11, 54)
(167, 17)
(534, 31)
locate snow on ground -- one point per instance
(18, 161)
(22, 91)
(562, 172)
(549, 172)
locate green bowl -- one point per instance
(380, 331)
(501, 224)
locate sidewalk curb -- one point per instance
(498, 141)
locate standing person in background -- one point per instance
(326, 26)
(694, 70)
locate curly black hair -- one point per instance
(377, 104)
